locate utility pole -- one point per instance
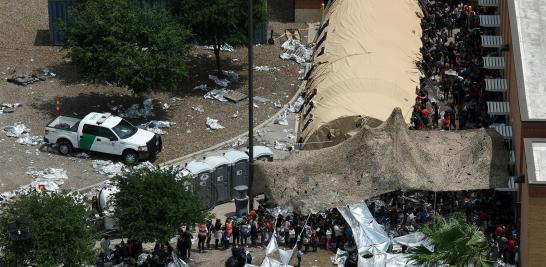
(250, 104)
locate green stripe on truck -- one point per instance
(87, 141)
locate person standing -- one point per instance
(228, 232)
(202, 236)
(298, 255)
(217, 233)
(328, 238)
(254, 233)
(210, 228)
(187, 238)
(105, 246)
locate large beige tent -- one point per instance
(363, 66)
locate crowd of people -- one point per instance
(452, 92)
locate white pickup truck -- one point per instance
(103, 132)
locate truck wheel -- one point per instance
(130, 157)
(64, 147)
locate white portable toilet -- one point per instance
(263, 153)
(220, 177)
(238, 163)
(202, 173)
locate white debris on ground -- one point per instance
(231, 75)
(156, 126)
(277, 104)
(279, 146)
(111, 169)
(8, 107)
(213, 124)
(220, 82)
(225, 48)
(27, 139)
(217, 94)
(239, 142)
(282, 119)
(107, 167)
(136, 111)
(254, 105)
(202, 87)
(198, 108)
(49, 179)
(16, 130)
(295, 107)
(235, 115)
(165, 106)
(266, 68)
(295, 47)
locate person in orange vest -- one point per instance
(202, 235)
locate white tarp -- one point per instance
(213, 124)
(231, 75)
(286, 255)
(217, 94)
(266, 68)
(49, 179)
(415, 239)
(282, 118)
(272, 246)
(27, 139)
(156, 126)
(108, 168)
(177, 262)
(295, 107)
(16, 130)
(202, 87)
(340, 258)
(220, 82)
(225, 48)
(137, 111)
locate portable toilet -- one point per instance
(263, 153)
(238, 163)
(202, 173)
(220, 177)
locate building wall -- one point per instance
(308, 10)
(281, 10)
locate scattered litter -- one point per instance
(217, 94)
(16, 130)
(136, 111)
(295, 107)
(260, 99)
(239, 142)
(26, 139)
(145, 165)
(165, 106)
(8, 108)
(48, 73)
(266, 68)
(235, 115)
(231, 75)
(156, 126)
(81, 155)
(280, 146)
(225, 48)
(202, 87)
(281, 119)
(24, 80)
(48, 180)
(277, 104)
(220, 82)
(199, 109)
(235, 60)
(254, 105)
(213, 124)
(108, 168)
(290, 136)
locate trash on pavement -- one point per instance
(266, 68)
(217, 94)
(27, 139)
(8, 108)
(295, 107)
(277, 104)
(239, 142)
(108, 168)
(136, 111)
(198, 108)
(220, 82)
(279, 145)
(225, 48)
(213, 124)
(235, 115)
(156, 126)
(16, 130)
(281, 119)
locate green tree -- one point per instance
(152, 204)
(456, 243)
(120, 42)
(219, 22)
(59, 226)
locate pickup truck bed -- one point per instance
(65, 123)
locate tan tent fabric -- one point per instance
(384, 159)
(368, 65)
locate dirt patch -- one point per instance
(22, 49)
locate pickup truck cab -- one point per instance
(105, 133)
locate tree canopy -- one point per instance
(456, 243)
(152, 204)
(219, 22)
(119, 42)
(59, 226)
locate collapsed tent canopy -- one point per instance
(363, 66)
